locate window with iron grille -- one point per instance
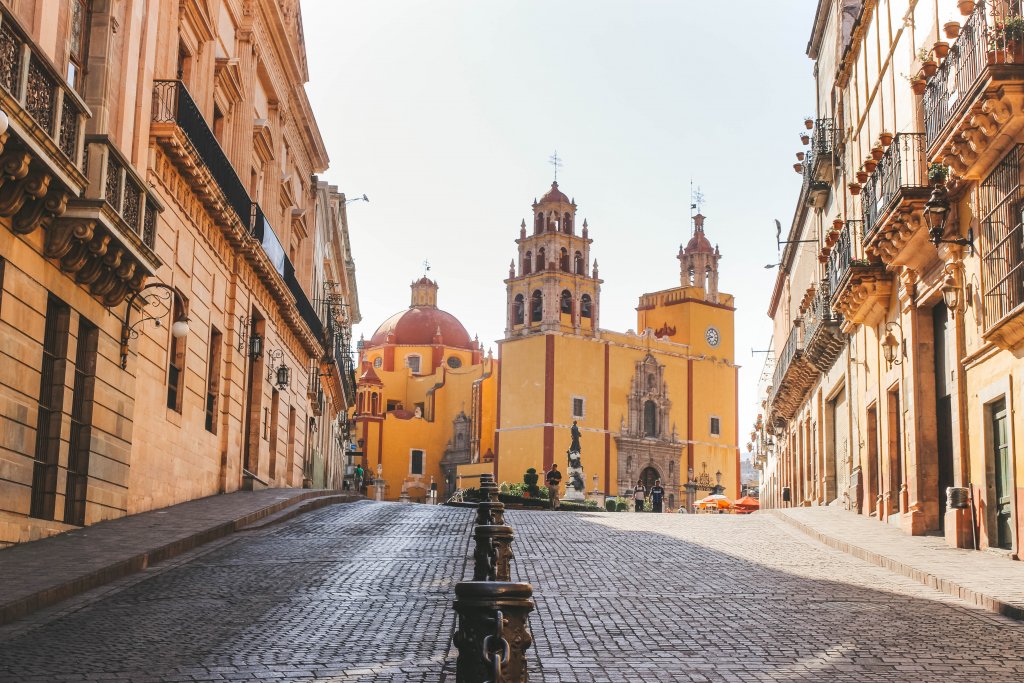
(416, 464)
(213, 380)
(81, 423)
(999, 203)
(577, 407)
(716, 426)
(51, 401)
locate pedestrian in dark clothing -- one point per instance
(553, 479)
(639, 496)
(657, 495)
(359, 478)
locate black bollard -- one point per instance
(490, 513)
(492, 557)
(493, 634)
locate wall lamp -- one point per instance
(248, 338)
(936, 214)
(955, 292)
(282, 373)
(157, 294)
(890, 344)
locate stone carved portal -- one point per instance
(648, 445)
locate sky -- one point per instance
(445, 113)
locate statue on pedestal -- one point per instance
(575, 484)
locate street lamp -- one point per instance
(160, 295)
(281, 373)
(955, 292)
(890, 344)
(936, 214)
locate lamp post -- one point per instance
(691, 489)
(378, 484)
(719, 489)
(157, 292)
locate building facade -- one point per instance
(157, 257)
(899, 304)
(660, 404)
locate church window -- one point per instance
(536, 307)
(567, 223)
(579, 263)
(716, 427)
(650, 419)
(539, 224)
(586, 306)
(692, 274)
(566, 306)
(378, 362)
(528, 263)
(454, 362)
(577, 407)
(563, 261)
(541, 259)
(518, 310)
(374, 404)
(707, 278)
(416, 461)
(361, 403)
(412, 362)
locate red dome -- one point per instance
(554, 195)
(699, 243)
(418, 325)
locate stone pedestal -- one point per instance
(959, 533)
(571, 494)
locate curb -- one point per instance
(947, 586)
(22, 607)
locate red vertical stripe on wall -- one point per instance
(607, 434)
(380, 441)
(736, 402)
(689, 413)
(549, 400)
(497, 418)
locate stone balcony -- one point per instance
(974, 104)
(794, 377)
(893, 203)
(823, 336)
(859, 288)
(99, 218)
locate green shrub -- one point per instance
(621, 505)
(609, 504)
(530, 480)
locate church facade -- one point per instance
(658, 404)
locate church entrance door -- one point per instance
(649, 476)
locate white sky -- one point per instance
(444, 112)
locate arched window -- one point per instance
(541, 260)
(518, 310)
(536, 307)
(563, 261)
(567, 223)
(707, 278)
(362, 403)
(566, 306)
(579, 263)
(650, 418)
(374, 401)
(538, 225)
(528, 263)
(692, 274)
(586, 306)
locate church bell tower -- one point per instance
(698, 262)
(552, 286)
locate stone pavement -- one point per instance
(985, 579)
(362, 592)
(46, 571)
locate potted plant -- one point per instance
(940, 49)
(799, 156)
(965, 7)
(885, 137)
(822, 259)
(854, 188)
(805, 138)
(937, 173)
(877, 151)
(870, 164)
(799, 168)
(824, 252)
(918, 84)
(530, 479)
(862, 176)
(1007, 37)
(951, 29)
(837, 223)
(808, 122)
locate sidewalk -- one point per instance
(44, 572)
(980, 578)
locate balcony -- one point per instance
(819, 166)
(794, 376)
(859, 288)
(823, 338)
(179, 127)
(973, 102)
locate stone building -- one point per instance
(898, 327)
(660, 404)
(157, 257)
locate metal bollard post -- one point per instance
(492, 557)
(493, 634)
(490, 513)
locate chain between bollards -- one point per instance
(493, 634)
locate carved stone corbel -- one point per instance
(998, 108)
(14, 194)
(41, 212)
(65, 234)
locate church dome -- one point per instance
(554, 195)
(418, 325)
(699, 244)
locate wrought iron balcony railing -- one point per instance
(306, 309)
(840, 258)
(902, 170)
(172, 103)
(823, 144)
(793, 348)
(119, 187)
(823, 339)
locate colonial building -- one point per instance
(898, 327)
(157, 257)
(641, 401)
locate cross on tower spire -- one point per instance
(555, 161)
(426, 267)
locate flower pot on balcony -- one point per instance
(854, 188)
(799, 156)
(918, 85)
(824, 252)
(940, 49)
(831, 238)
(929, 67)
(808, 123)
(877, 152)
(965, 7)
(799, 168)
(885, 138)
(951, 29)
(822, 259)
(996, 57)
(870, 164)
(862, 177)
(837, 224)
(805, 138)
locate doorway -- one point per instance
(871, 486)
(649, 476)
(943, 406)
(1002, 474)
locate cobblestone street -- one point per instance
(361, 592)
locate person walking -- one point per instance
(657, 495)
(639, 496)
(359, 478)
(553, 479)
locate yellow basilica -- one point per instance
(661, 404)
